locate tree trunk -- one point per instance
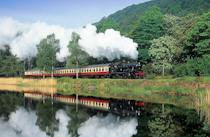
(77, 71)
(163, 70)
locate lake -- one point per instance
(27, 117)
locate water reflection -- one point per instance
(22, 117)
(199, 100)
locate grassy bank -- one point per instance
(22, 85)
(116, 88)
(133, 88)
(28, 82)
(159, 89)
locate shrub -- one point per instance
(193, 67)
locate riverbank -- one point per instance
(117, 88)
(24, 85)
(132, 88)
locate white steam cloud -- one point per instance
(23, 38)
(109, 126)
(109, 44)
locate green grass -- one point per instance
(128, 88)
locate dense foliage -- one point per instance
(125, 20)
(198, 43)
(193, 67)
(171, 35)
(151, 26)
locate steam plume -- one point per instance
(23, 38)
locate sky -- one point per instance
(68, 13)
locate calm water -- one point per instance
(23, 117)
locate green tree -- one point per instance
(178, 28)
(77, 55)
(198, 42)
(10, 65)
(47, 49)
(162, 52)
(9, 103)
(150, 26)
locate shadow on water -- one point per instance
(157, 120)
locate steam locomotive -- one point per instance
(110, 70)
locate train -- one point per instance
(109, 70)
(119, 107)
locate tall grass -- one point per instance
(36, 85)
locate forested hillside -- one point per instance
(173, 36)
(125, 20)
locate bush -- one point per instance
(193, 67)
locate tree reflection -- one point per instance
(9, 103)
(77, 117)
(46, 117)
(172, 122)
